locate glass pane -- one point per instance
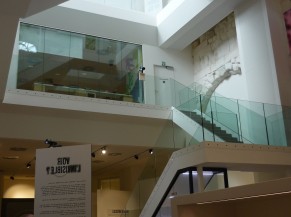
(181, 187)
(275, 125)
(252, 121)
(31, 57)
(61, 62)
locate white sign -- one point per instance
(63, 182)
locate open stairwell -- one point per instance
(211, 126)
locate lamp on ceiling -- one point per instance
(103, 151)
(51, 144)
(28, 165)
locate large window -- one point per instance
(63, 62)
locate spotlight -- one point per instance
(28, 165)
(103, 150)
(151, 151)
(141, 69)
(11, 177)
(136, 157)
(52, 144)
(93, 154)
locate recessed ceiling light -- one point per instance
(18, 149)
(10, 157)
(114, 154)
(97, 161)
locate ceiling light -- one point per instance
(151, 151)
(136, 157)
(11, 177)
(115, 154)
(18, 149)
(28, 165)
(93, 154)
(10, 157)
(52, 144)
(103, 150)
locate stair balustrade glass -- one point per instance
(63, 62)
(245, 121)
(186, 182)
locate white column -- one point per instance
(201, 183)
(254, 23)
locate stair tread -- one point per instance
(210, 126)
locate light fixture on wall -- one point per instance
(141, 75)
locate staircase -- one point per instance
(212, 127)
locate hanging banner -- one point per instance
(63, 182)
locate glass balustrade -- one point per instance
(186, 182)
(62, 62)
(68, 63)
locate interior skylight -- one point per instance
(146, 6)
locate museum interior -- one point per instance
(186, 105)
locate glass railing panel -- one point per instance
(180, 187)
(183, 96)
(275, 125)
(287, 123)
(207, 176)
(252, 122)
(31, 56)
(185, 185)
(214, 180)
(223, 118)
(159, 91)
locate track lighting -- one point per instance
(51, 144)
(28, 165)
(151, 151)
(136, 157)
(103, 151)
(11, 177)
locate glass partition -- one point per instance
(186, 182)
(62, 62)
(68, 63)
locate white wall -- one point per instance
(238, 178)
(18, 188)
(256, 52)
(282, 54)
(181, 61)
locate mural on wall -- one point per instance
(216, 56)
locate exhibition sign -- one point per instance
(63, 182)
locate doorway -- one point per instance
(164, 85)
